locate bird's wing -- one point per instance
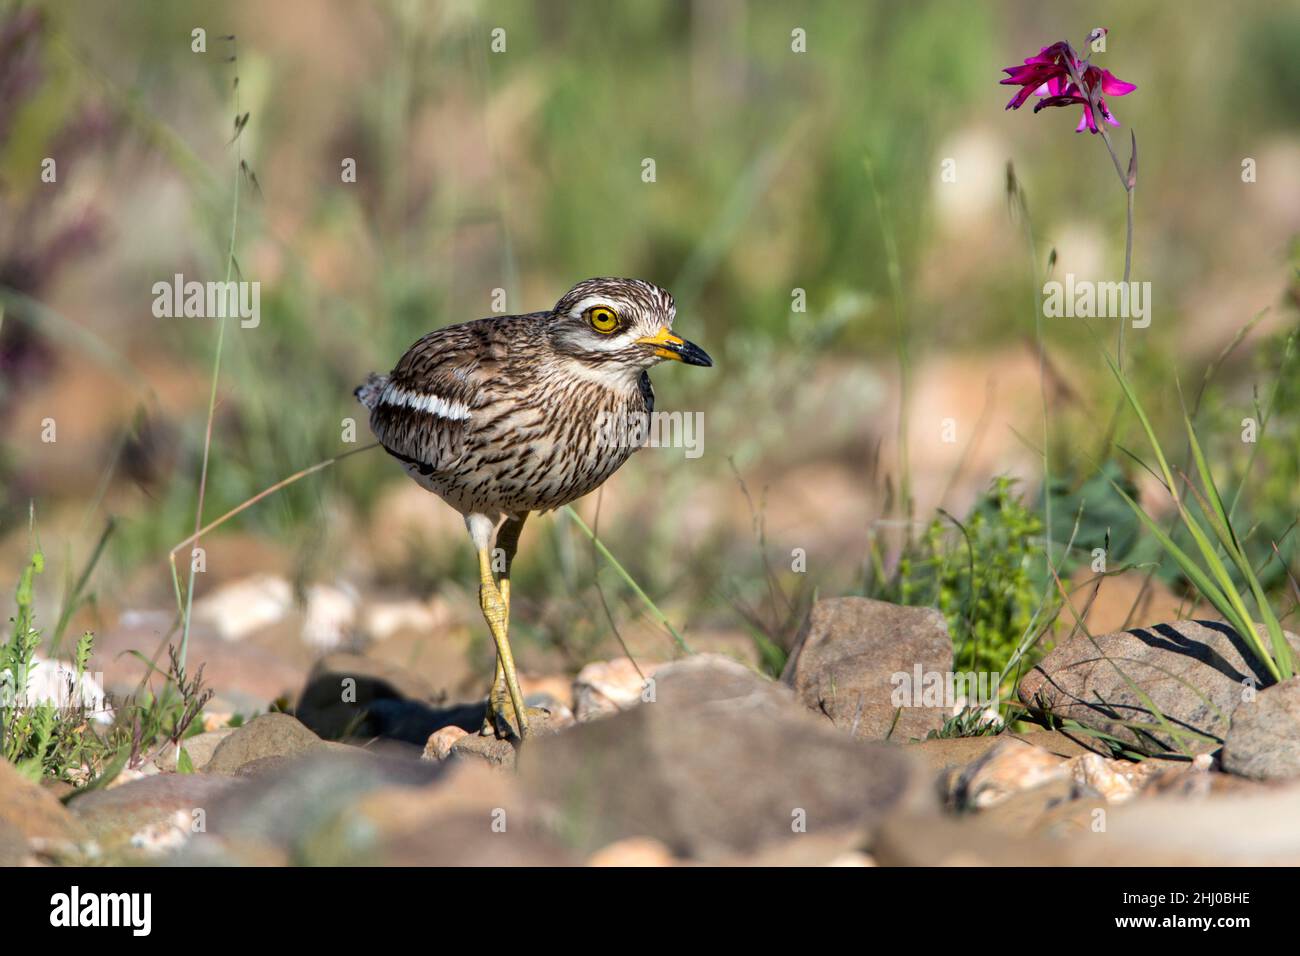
(424, 411)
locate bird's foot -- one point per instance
(501, 720)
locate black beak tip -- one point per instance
(692, 354)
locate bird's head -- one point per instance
(620, 323)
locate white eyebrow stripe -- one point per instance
(430, 404)
(592, 301)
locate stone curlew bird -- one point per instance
(520, 413)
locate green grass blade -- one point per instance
(1233, 611)
(1223, 526)
(605, 553)
(1185, 563)
(1146, 426)
(1282, 653)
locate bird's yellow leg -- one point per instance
(507, 544)
(497, 696)
(496, 613)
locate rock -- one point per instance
(634, 851)
(1193, 671)
(558, 715)
(1024, 811)
(603, 688)
(51, 681)
(152, 814)
(1114, 780)
(694, 769)
(13, 846)
(131, 775)
(383, 619)
(440, 743)
(33, 812)
(471, 816)
(934, 840)
(468, 787)
(200, 748)
(1054, 742)
(243, 607)
(470, 840)
(1080, 814)
(736, 643)
(845, 659)
(501, 753)
(1194, 780)
(949, 753)
(1263, 741)
(62, 789)
(1009, 767)
(832, 847)
(331, 616)
(267, 735)
(946, 754)
(303, 809)
(494, 751)
(1256, 828)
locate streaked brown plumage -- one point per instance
(503, 416)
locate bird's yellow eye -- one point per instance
(602, 319)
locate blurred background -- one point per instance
(774, 171)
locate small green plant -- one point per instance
(970, 722)
(59, 739)
(980, 575)
(43, 737)
(167, 717)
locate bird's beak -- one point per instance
(670, 346)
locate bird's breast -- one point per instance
(550, 446)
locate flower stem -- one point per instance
(1128, 180)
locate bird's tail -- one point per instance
(369, 391)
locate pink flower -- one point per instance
(1050, 75)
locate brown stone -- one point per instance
(844, 662)
(33, 811)
(1263, 742)
(267, 735)
(722, 762)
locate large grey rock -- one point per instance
(1263, 742)
(135, 814)
(845, 659)
(302, 809)
(722, 761)
(1194, 672)
(1257, 827)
